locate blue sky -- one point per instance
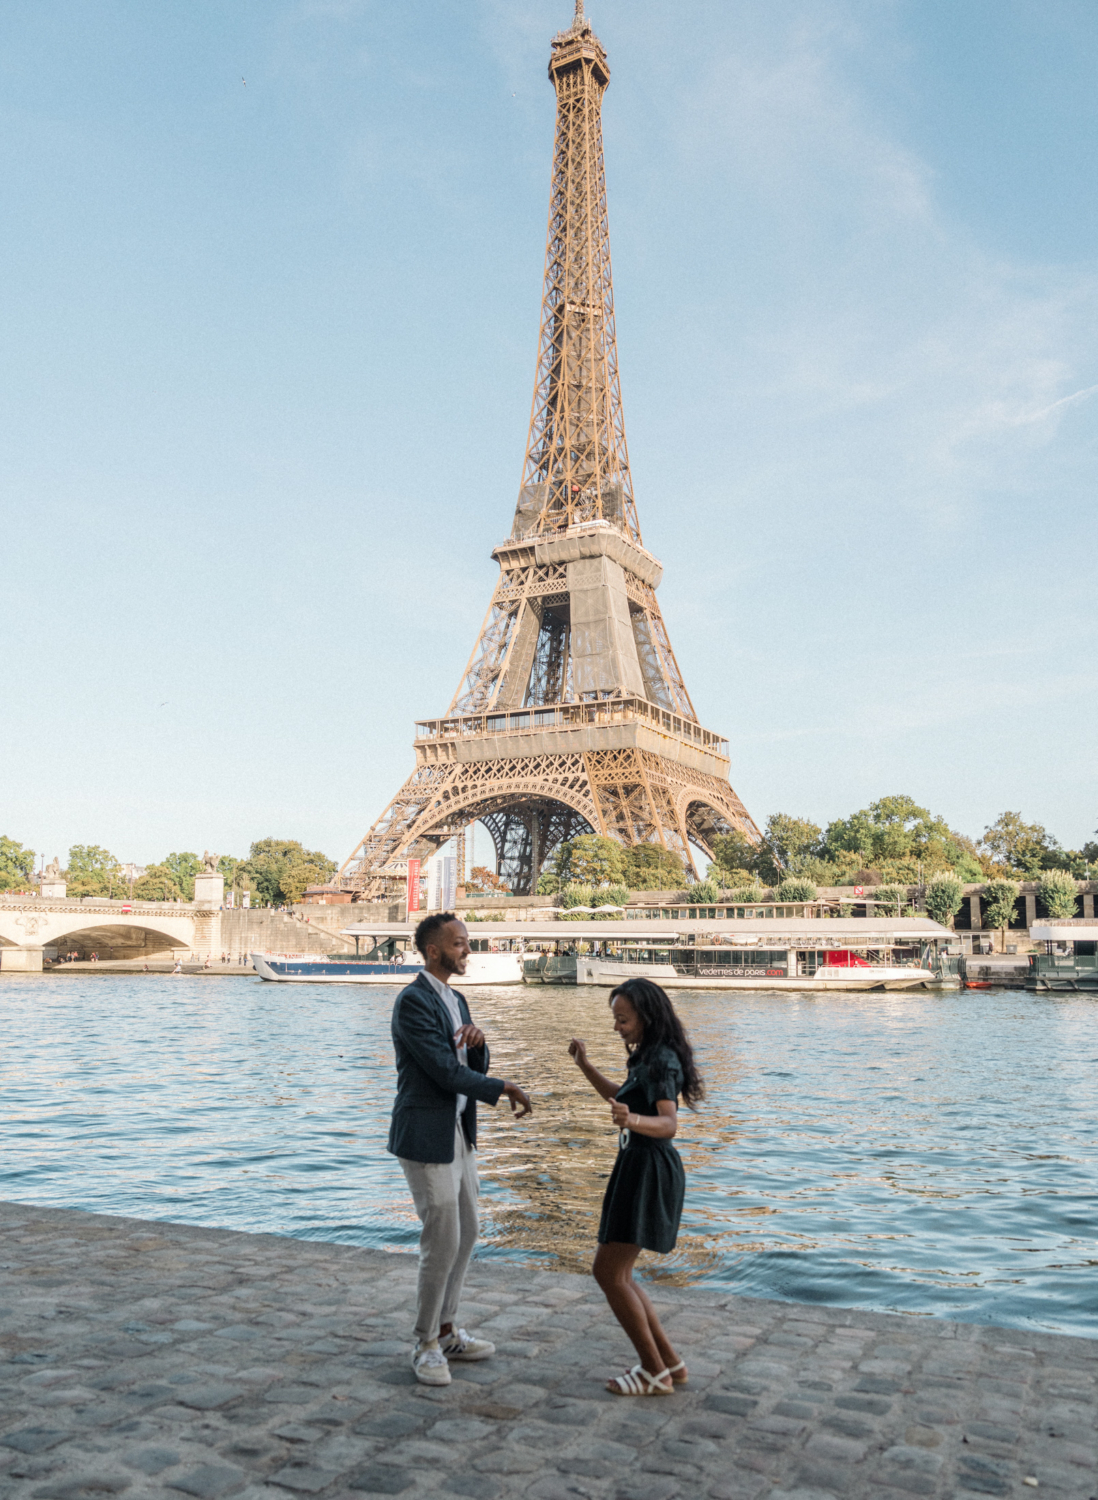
(270, 280)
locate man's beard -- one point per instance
(450, 965)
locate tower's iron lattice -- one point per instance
(572, 715)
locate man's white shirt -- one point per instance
(449, 999)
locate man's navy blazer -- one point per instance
(429, 1076)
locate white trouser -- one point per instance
(445, 1195)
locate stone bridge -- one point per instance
(33, 927)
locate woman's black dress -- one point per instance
(643, 1202)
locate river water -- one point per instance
(934, 1154)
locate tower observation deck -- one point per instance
(571, 715)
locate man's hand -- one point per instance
(619, 1114)
(469, 1036)
(577, 1051)
(519, 1101)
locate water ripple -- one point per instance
(932, 1154)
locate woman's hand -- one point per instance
(620, 1114)
(577, 1051)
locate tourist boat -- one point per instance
(1070, 959)
(855, 953)
(809, 953)
(391, 959)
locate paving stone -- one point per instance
(34, 1439)
(477, 1486)
(378, 1480)
(209, 1481)
(152, 1460)
(207, 1397)
(82, 1487)
(647, 1487)
(287, 1365)
(304, 1478)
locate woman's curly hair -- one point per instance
(662, 1028)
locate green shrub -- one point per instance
(703, 893)
(615, 895)
(575, 894)
(796, 890)
(944, 896)
(746, 894)
(1056, 891)
(890, 900)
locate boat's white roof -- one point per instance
(764, 931)
(568, 931)
(1085, 931)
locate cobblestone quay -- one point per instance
(145, 1358)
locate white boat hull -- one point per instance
(293, 968)
(607, 973)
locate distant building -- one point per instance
(441, 882)
(326, 895)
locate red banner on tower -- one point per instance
(413, 885)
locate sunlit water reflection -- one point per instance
(936, 1154)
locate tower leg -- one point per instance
(535, 849)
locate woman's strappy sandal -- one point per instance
(679, 1373)
(638, 1382)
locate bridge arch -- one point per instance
(114, 940)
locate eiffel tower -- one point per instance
(572, 715)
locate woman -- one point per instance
(643, 1202)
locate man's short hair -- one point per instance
(427, 929)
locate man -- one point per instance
(442, 1070)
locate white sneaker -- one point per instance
(458, 1344)
(429, 1364)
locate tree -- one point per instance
(902, 840)
(1016, 845)
(270, 859)
(651, 867)
(16, 864)
(734, 852)
(157, 884)
(1000, 897)
(296, 879)
(595, 860)
(1057, 893)
(481, 878)
(183, 868)
(94, 871)
(703, 893)
(796, 890)
(944, 895)
(792, 838)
